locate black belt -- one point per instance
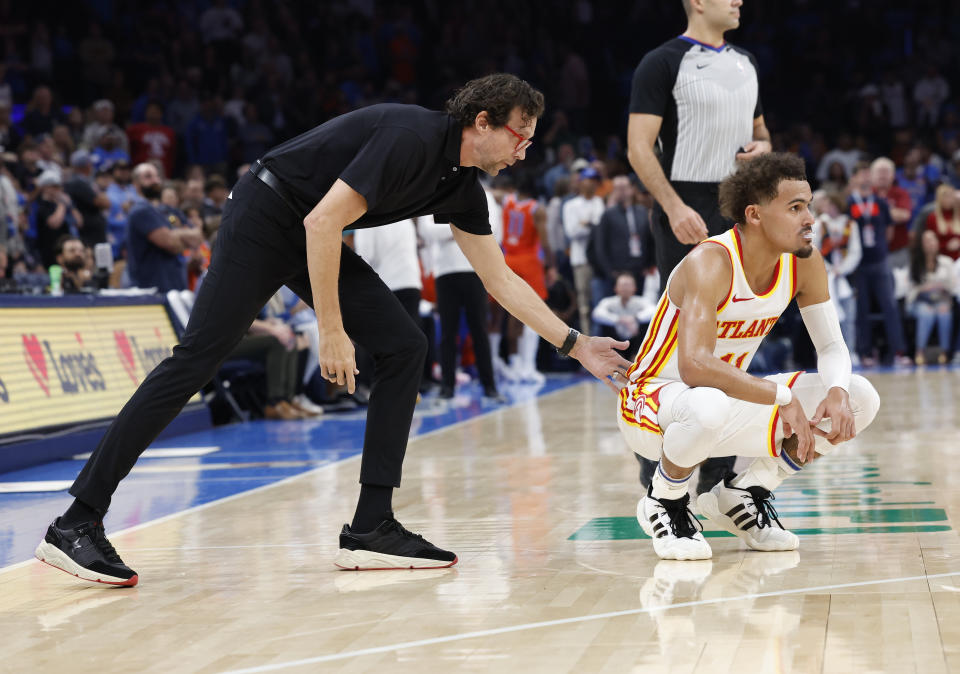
(274, 183)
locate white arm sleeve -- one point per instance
(833, 358)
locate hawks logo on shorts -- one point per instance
(744, 317)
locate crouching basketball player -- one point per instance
(688, 395)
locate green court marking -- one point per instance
(627, 528)
(784, 504)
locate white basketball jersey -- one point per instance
(743, 319)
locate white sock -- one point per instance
(768, 472)
(495, 338)
(666, 487)
(529, 343)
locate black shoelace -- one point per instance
(766, 513)
(681, 519)
(99, 537)
(404, 532)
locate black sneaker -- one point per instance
(446, 392)
(389, 546)
(86, 553)
(492, 394)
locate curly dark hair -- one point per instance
(757, 181)
(498, 94)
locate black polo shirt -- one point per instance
(403, 159)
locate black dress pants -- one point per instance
(261, 245)
(703, 198)
(456, 291)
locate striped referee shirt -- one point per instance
(708, 98)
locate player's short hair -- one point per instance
(757, 181)
(498, 94)
(686, 6)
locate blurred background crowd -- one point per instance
(866, 92)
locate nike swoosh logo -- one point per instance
(741, 299)
(701, 67)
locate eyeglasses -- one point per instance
(522, 143)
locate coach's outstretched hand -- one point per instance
(597, 355)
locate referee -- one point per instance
(695, 97)
(283, 225)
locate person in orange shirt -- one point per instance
(524, 227)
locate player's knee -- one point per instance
(708, 407)
(866, 400)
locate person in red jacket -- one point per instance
(152, 139)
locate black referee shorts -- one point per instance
(701, 197)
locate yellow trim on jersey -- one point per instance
(666, 351)
(651, 335)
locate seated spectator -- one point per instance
(7, 284)
(75, 260)
(109, 149)
(103, 114)
(286, 389)
(215, 197)
(55, 216)
(620, 314)
(930, 296)
(944, 221)
(845, 153)
(9, 202)
(155, 243)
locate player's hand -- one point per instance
(687, 225)
(597, 355)
(836, 407)
(337, 360)
(754, 148)
(795, 421)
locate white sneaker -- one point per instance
(303, 401)
(504, 371)
(747, 513)
(532, 376)
(673, 528)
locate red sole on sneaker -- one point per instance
(395, 568)
(133, 580)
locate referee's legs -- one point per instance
(670, 252)
(244, 273)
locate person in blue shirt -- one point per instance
(207, 138)
(155, 242)
(122, 195)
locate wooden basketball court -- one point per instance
(538, 500)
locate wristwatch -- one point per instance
(564, 349)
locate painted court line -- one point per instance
(304, 474)
(34, 486)
(163, 453)
(569, 621)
